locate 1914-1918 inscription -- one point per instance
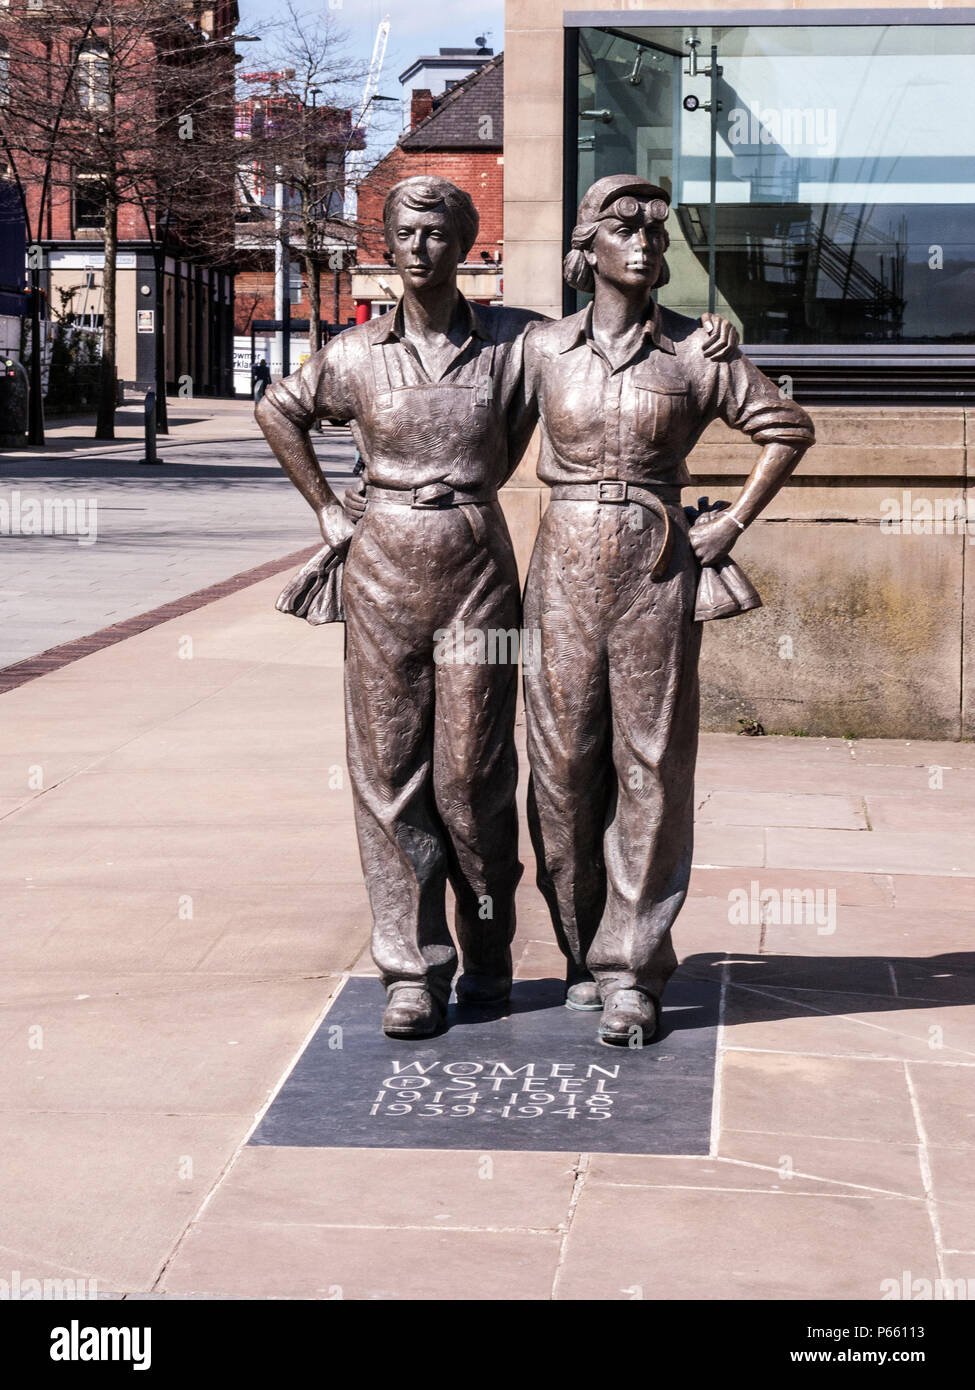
(531, 1077)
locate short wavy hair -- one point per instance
(423, 192)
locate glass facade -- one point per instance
(839, 205)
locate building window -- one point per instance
(89, 201)
(4, 77)
(840, 208)
(92, 78)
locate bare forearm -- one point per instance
(773, 469)
(714, 534)
(292, 448)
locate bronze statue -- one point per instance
(625, 389)
(433, 395)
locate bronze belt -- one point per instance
(430, 496)
(617, 492)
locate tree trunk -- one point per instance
(159, 264)
(105, 426)
(314, 303)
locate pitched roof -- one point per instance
(458, 118)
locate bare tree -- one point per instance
(101, 95)
(306, 118)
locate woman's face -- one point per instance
(628, 252)
(426, 247)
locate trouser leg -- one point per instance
(653, 649)
(566, 709)
(475, 765)
(389, 701)
(475, 773)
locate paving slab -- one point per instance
(255, 929)
(288, 1261)
(397, 1188)
(902, 852)
(791, 1245)
(776, 1018)
(815, 1166)
(778, 808)
(946, 1105)
(864, 1165)
(954, 1194)
(835, 1097)
(104, 1196)
(851, 889)
(188, 1044)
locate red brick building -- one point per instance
(194, 299)
(254, 210)
(317, 140)
(458, 136)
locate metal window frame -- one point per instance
(763, 19)
(618, 21)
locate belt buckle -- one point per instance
(444, 498)
(611, 490)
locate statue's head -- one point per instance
(620, 235)
(430, 226)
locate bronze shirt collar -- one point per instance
(578, 330)
(389, 326)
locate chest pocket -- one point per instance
(660, 407)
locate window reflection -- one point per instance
(844, 187)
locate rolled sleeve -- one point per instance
(318, 389)
(749, 401)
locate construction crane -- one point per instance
(356, 160)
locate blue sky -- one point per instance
(416, 26)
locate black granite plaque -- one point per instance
(532, 1076)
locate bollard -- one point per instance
(150, 408)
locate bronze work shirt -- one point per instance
(639, 422)
(412, 430)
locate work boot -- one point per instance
(629, 1018)
(412, 1012)
(582, 992)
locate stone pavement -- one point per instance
(123, 538)
(183, 900)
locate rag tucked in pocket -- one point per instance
(724, 589)
(315, 592)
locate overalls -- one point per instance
(430, 725)
(612, 708)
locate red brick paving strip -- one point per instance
(55, 657)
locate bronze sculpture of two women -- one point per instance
(442, 397)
